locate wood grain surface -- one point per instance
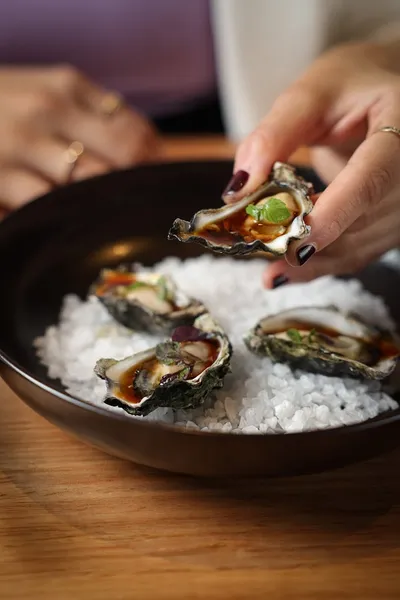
(75, 522)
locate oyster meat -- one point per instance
(180, 372)
(145, 301)
(327, 341)
(265, 220)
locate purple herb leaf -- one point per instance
(187, 333)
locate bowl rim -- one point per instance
(375, 422)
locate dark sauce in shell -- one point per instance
(126, 384)
(111, 280)
(234, 229)
(376, 349)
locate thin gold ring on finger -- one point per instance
(110, 104)
(390, 129)
(72, 155)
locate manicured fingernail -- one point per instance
(305, 253)
(238, 181)
(279, 280)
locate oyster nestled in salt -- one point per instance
(327, 341)
(145, 301)
(179, 373)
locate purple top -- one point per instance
(157, 53)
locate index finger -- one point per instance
(369, 175)
(296, 119)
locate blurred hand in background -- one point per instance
(45, 110)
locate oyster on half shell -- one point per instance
(243, 228)
(145, 301)
(179, 373)
(325, 340)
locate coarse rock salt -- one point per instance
(258, 396)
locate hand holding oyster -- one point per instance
(266, 220)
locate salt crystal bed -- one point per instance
(258, 396)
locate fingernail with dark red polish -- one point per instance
(238, 181)
(279, 280)
(305, 253)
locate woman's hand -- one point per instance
(337, 107)
(44, 110)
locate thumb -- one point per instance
(369, 176)
(296, 118)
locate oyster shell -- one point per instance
(231, 230)
(145, 301)
(179, 373)
(327, 341)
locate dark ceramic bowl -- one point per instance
(57, 245)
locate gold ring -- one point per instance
(390, 129)
(110, 104)
(72, 155)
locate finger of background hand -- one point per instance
(88, 165)
(48, 157)
(370, 174)
(121, 140)
(351, 253)
(19, 186)
(296, 118)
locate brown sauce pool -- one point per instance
(233, 229)
(126, 389)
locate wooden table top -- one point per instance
(75, 522)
